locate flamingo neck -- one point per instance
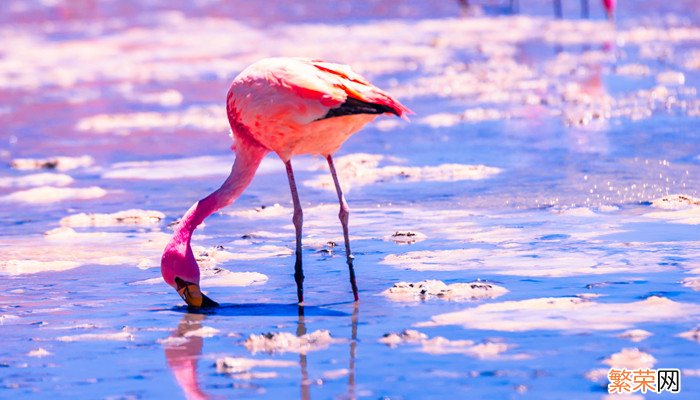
(178, 259)
(247, 161)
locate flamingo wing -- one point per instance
(341, 89)
(362, 96)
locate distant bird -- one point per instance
(289, 106)
(608, 6)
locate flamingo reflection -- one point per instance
(182, 352)
(305, 384)
(303, 361)
(353, 352)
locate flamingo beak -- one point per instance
(193, 296)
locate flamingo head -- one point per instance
(609, 6)
(193, 296)
(180, 270)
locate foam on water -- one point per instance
(568, 314)
(53, 194)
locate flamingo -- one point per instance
(288, 106)
(608, 6)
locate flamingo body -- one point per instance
(283, 102)
(609, 6)
(289, 106)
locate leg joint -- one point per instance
(344, 214)
(298, 217)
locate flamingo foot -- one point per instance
(193, 296)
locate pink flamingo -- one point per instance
(608, 5)
(288, 106)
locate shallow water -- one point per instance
(533, 162)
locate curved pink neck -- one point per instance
(178, 260)
(241, 175)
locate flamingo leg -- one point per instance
(298, 220)
(344, 215)
(557, 9)
(585, 13)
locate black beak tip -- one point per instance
(208, 303)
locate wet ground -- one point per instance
(552, 164)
